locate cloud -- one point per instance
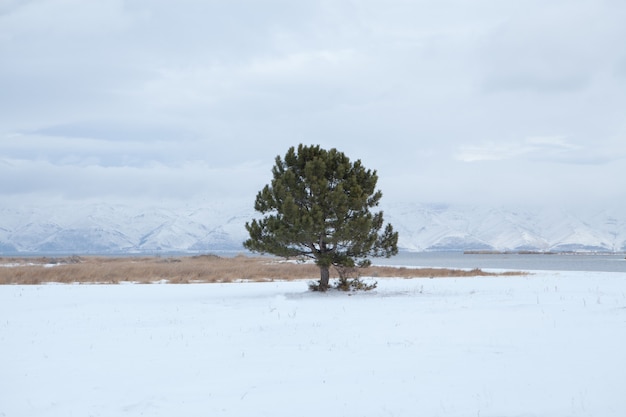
(190, 181)
(129, 95)
(552, 49)
(537, 147)
(120, 147)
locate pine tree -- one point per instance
(318, 206)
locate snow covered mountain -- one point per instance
(104, 228)
(427, 227)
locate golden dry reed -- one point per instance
(190, 269)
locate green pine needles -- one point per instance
(318, 206)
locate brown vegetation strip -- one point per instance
(188, 269)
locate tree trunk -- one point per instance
(324, 277)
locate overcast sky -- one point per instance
(452, 101)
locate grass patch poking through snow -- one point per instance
(191, 269)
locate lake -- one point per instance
(548, 262)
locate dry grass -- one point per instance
(188, 269)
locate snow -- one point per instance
(113, 228)
(17, 265)
(548, 344)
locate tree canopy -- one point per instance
(318, 206)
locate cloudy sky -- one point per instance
(152, 101)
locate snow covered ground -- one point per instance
(550, 344)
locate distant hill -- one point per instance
(119, 229)
(427, 227)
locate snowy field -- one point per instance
(550, 344)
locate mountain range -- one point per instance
(212, 227)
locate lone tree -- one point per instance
(318, 206)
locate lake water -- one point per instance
(551, 262)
